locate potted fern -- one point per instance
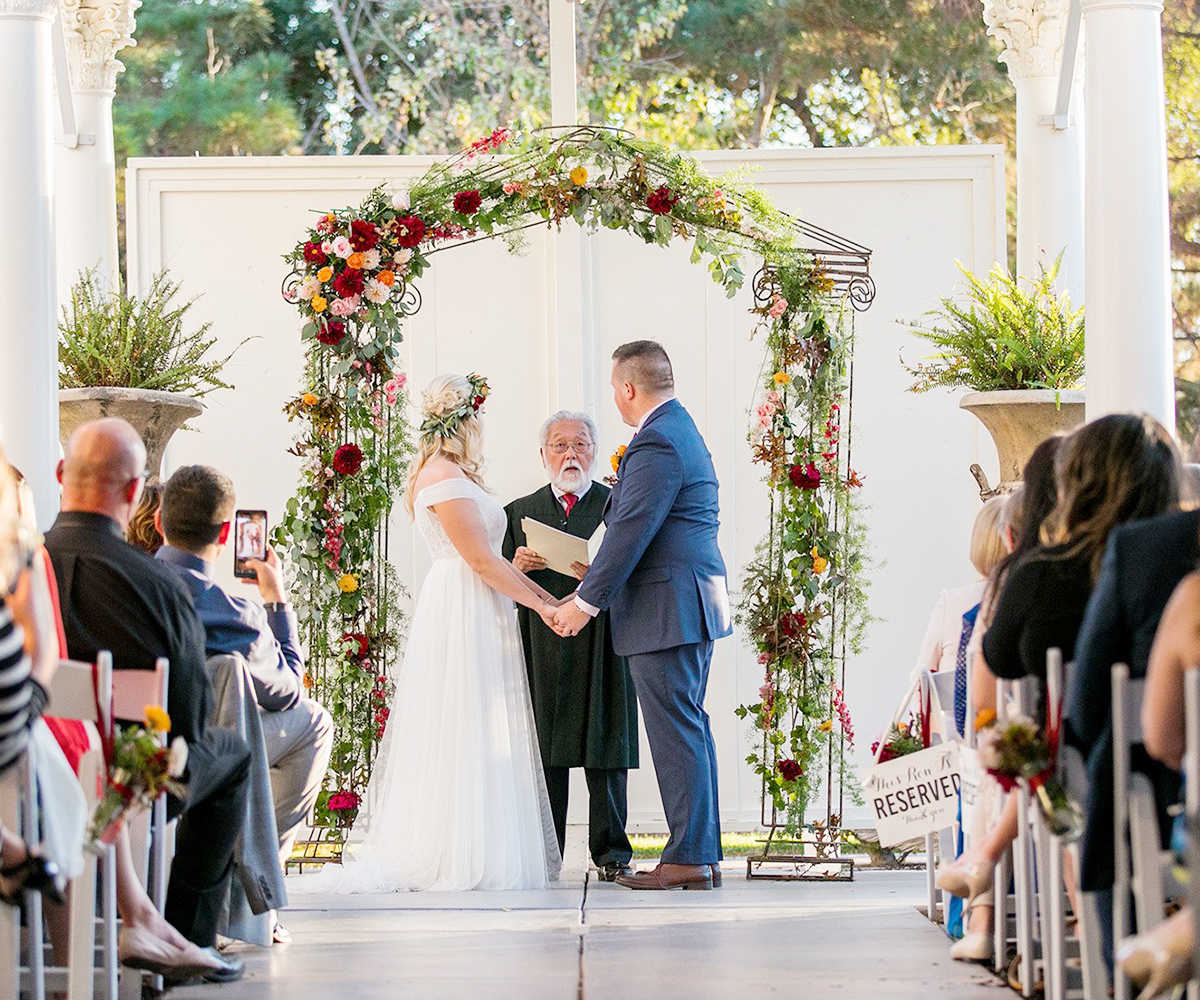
(132, 357)
(1017, 343)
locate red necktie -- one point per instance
(570, 500)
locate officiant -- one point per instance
(583, 698)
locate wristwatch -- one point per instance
(276, 606)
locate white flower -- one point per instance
(342, 307)
(178, 758)
(341, 246)
(371, 259)
(402, 256)
(308, 287)
(376, 291)
(401, 201)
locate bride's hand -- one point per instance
(547, 613)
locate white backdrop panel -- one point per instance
(542, 327)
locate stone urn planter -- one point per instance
(154, 415)
(1020, 419)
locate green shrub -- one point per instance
(113, 339)
(1004, 336)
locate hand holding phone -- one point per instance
(249, 541)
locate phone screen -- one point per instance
(249, 540)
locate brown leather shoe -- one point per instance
(666, 876)
(716, 875)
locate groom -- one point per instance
(661, 577)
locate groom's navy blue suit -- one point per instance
(661, 576)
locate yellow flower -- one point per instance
(820, 563)
(325, 273)
(319, 303)
(616, 459)
(782, 378)
(826, 726)
(348, 584)
(579, 176)
(310, 399)
(157, 719)
(356, 260)
(984, 718)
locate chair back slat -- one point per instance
(133, 690)
(82, 691)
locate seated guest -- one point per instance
(197, 506)
(116, 597)
(143, 528)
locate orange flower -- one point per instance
(984, 718)
(616, 459)
(308, 681)
(310, 399)
(319, 303)
(386, 278)
(325, 273)
(356, 260)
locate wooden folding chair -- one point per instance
(83, 691)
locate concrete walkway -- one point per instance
(587, 940)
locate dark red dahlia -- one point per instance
(363, 235)
(349, 283)
(347, 460)
(789, 770)
(467, 202)
(331, 332)
(662, 201)
(792, 624)
(410, 230)
(363, 647)
(313, 254)
(805, 477)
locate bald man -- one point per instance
(116, 597)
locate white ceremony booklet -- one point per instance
(558, 548)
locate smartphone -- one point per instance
(249, 540)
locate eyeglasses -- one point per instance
(562, 447)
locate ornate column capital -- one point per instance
(37, 10)
(95, 31)
(1032, 32)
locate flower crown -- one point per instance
(443, 424)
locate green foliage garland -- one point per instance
(353, 282)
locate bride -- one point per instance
(457, 799)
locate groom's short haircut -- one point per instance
(196, 501)
(645, 365)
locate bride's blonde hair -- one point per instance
(463, 445)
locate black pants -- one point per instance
(215, 809)
(607, 811)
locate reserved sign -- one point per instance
(914, 794)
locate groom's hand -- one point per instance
(568, 620)
(528, 561)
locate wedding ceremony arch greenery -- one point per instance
(354, 279)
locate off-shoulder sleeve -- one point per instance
(454, 488)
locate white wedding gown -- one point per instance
(457, 798)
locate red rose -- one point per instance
(789, 770)
(343, 801)
(331, 332)
(364, 644)
(467, 202)
(792, 624)
(347, 460)
(313, 254)
(662, 201)
(806, 477)
(410, 230)
(363, 235)
(349, 283)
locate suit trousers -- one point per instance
(218, 771)
(607, 811)
(298, 741)
(670, 686)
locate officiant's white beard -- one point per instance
(572, 477)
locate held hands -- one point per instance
(527, 561)
(547, 612)
(569, 619)
(268, 578)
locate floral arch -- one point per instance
(355, 278)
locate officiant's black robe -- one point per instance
(583, 698)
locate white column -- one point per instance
(564, 100)
(1049, 159)
(28, 341)
(85, 174)
(1129, 340)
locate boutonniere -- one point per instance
(615, 461)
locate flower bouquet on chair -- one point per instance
(140, 769)
(1016, 749)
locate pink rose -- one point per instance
(778, 307)
(342, 247)
(341, 307)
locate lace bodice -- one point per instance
(457, 488)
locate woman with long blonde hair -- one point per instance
(457, 798)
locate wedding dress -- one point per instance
(457, 799)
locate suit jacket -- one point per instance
(659, 571)
(1143, 563)
(268, 641)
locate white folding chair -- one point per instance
(936, 690)
(83, 691)
(18, 813)
(133, 691)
